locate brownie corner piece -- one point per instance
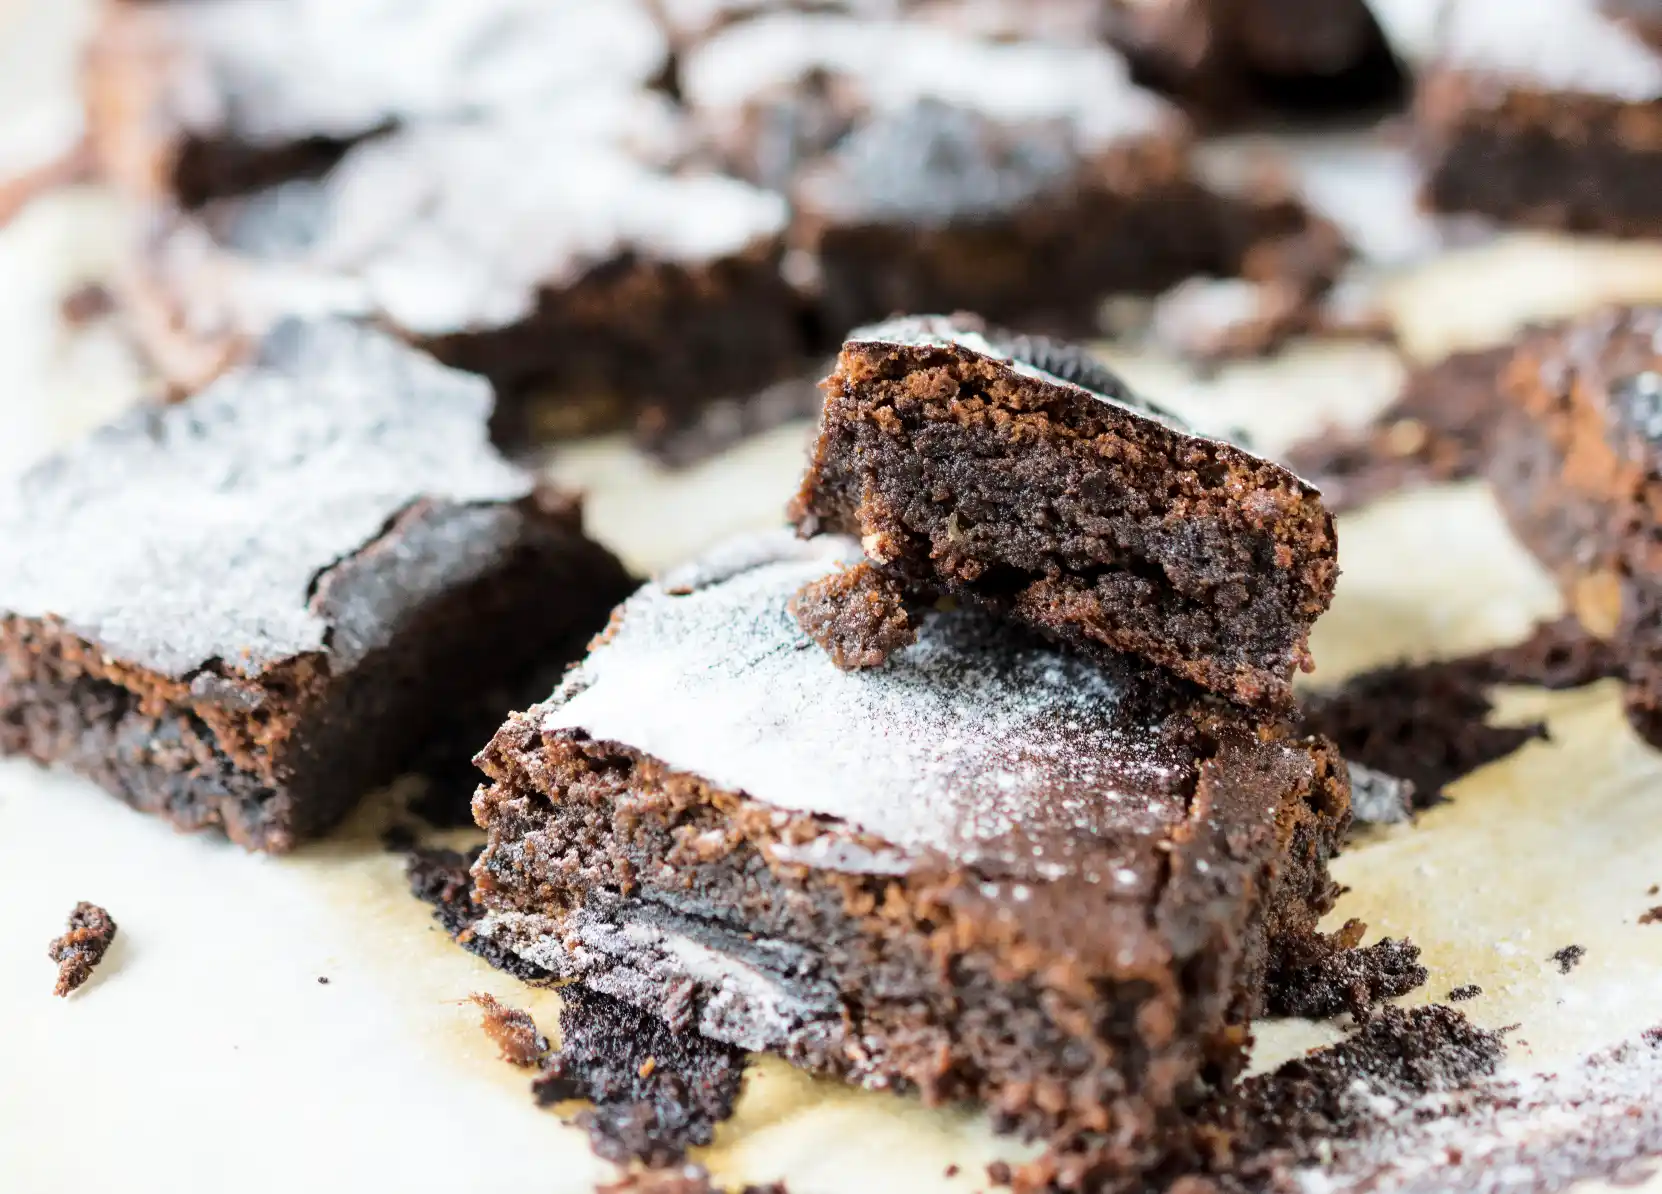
(281, 588)
(1057, 889)
(1546, 113)
(1574, 457)
(1020, 474)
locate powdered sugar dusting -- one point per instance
(1526, 1135)
(973, 742)
(897, 64)
(1566, 45)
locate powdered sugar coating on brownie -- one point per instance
(1560, 45)
(272, 71)
(894, 65)
(974, 743)
(455, 227)
(182, 535)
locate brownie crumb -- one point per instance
(1461, 994)
(1435, 432)
(323, 980)
(1425, 723)
(858, 615)
(86, 303)
(951, 1171)
(1568, 958)
(82, 947)
(1654, 889)
(1651, 916)
(441, 878)
(1326, 975)
(684, 1179)
(648, 1113)
(513, 1030)
(999, 1173)
(1334, 1093)
(1557, 655)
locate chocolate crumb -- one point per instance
(951, 1171)
(513, 1030)
(82, 947)
(1326, 975)
(1425, 723)
(1568, 958)
(441, 878)
(86, 303)
(1652, 916)
(858, 615)
(1461, 994)
(1654, 889)
(322, 980)
(1434, 432)
(648, 1113)
(999, 1173)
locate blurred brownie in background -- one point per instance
(244, 611)
(190, 101)
(1575, 458)
(1547, 113)
(1230, 59)
(931, 170)
(591, 284)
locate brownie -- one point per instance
(591, 284)
(1020, 475)
(929, 169)
(245, 610)
(193, 101)
(991, 871)
(1230, 57)
(1546, 113)
(1575, 459)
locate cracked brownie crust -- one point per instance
(1020, 475)
(874, 875)
(281, 588)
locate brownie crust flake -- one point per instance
(1020, 475)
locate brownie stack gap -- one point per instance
(996, 868)
(280, 590)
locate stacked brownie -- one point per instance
(244, 611)
(1547, 112)
(1017, 856)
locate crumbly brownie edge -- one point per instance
(1573, 163)
(898, 417)
(978, 1003)
(277, 757)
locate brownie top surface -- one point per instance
(1552, 45)
(266, 72)
(204, 531)
(976, 743)
(453, 227)
(1053, 362)
(890, 66)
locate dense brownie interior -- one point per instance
(989, 475)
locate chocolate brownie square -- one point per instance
(190, 101)
(933, 170)
(994, 871)
(591, 284)
(1226, 57)
(246, 610)
(1575, 458)
(1547, 113)
(1020, 475)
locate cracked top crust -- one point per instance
(976, 744)
(212, 530)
